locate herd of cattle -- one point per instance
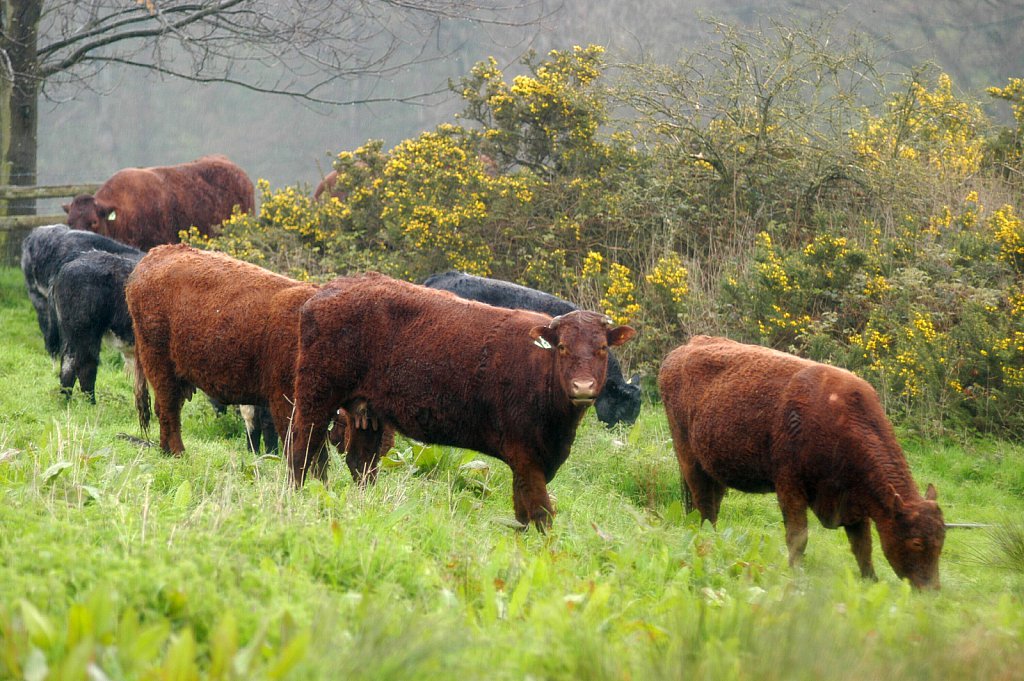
(460, 360)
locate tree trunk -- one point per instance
(19, 107)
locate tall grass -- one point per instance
(119, 562)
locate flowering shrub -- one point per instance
(927, 125)
(873, 249)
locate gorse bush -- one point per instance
(812, 207)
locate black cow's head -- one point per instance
(580, 341)
(85, 212)
(619, 401)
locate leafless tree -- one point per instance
(298, 48)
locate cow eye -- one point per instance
(562, 349)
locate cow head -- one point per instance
(915, 541)
(580, 342)
(619, 401)
(87, 213)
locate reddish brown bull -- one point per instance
(205, 320)
(758, 420)
(145, 207)
(509, 383)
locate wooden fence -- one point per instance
(13, 228)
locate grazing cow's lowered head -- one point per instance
(914, 545)
(580, 341)
(87, 213)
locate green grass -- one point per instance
(119, 562)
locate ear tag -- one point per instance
(542, 343)
(111, 216)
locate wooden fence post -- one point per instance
(14, 228)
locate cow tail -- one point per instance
(142, 396)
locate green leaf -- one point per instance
(183, 495)
(91, 493)
(674, 513)
(223, 647)
(243, 660)
(55, 470)
(180, 663)
(40, 629)
(292, 654)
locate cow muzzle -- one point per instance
(584, 392)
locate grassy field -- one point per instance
(118, 562)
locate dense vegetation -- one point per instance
(118, 562)
(810, 206)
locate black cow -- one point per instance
(618, 401)
(87, 298)
(43, 252)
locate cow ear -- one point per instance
(544, 337)
(105, 211)
(620, 334)
(635, 380)
(931, 494)
(66, 207)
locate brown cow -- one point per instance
(326, 188)
(759, 420)
(512, 384)
(145, 207)
(205, 320)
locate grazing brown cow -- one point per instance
(512, 384)
(205, 320)
(759, 420)
(145, 207)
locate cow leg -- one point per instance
(530, 492)
(168, 411)
(86, 351)
(86, 368)
(706, 492)
(267, 429)
(67, 374)
(794, 515)
(859, 535)
(315, 406)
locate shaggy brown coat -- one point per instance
(205, 320)
(759, 420)
(145, 207)
(512, 384)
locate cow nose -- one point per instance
(584, 389)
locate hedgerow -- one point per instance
(799, 207)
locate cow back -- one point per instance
(151, 206)
(464, 370)
(219, 321)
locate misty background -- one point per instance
(129, 118)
